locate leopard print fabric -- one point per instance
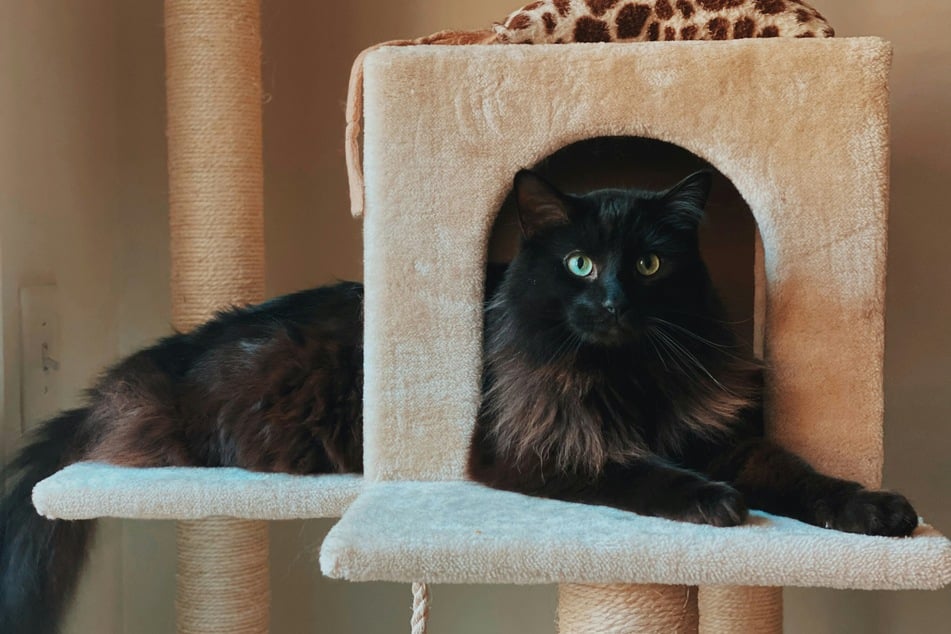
(559, 21)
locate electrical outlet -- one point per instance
(40, 359)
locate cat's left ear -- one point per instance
(684, 202)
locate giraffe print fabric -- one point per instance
(560, 21)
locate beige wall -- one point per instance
(58, 171)
(82, 202)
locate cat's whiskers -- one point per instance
(568, 347)
(691, 333)
(684, 353)
(711, 319)
(657, 351)
(723, 349)
(674, 355)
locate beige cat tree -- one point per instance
(800, 129)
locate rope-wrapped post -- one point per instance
(622, 609)
(222, 577)
(741, 610)
(213, 80)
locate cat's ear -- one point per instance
(540, 205)
(684, 202)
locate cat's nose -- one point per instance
(614, 300)
(614, 306)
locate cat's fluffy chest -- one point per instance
(585, 413)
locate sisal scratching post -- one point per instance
(622, 609)
(741, 610)
(213, 74)
(222, 577)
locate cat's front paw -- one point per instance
(714, 503)
(870, 513)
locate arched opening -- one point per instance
(728, 235)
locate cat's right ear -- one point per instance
(540, 205)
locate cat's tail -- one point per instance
(40, 559)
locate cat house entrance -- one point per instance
(728, 235)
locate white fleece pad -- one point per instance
(460, 532)
(88, 490)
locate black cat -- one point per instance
(610, 378)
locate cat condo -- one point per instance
(800, 129)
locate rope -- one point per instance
(420, 608)
(215, 173)
(216, 192)
(741, 610)
(625, 609)
(222, 577)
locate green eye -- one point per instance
(579, 264)
(648, 265)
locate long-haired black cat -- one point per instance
(609, 378)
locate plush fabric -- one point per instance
(88, 490)
(460, 532)
(799, 126)
(573, 21)
(562, 21)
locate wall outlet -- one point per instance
(40, 354)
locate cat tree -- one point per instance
(798, 126)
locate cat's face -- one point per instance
(601, 269)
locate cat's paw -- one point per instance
(714, 503)
(870, 513)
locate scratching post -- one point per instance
(741, 610)
(621, 608)
(222, 577)
(213, 72)
(217, 247)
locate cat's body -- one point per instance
(610, 376)
(274, 387)
(580, 402)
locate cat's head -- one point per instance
(601, 268)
